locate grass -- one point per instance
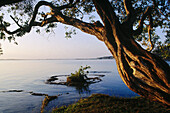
(46, 100)
(100, 103)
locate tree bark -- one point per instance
(142, 71)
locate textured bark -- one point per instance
(143, 72)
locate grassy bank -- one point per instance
(99, 103)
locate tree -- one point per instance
(122, 24)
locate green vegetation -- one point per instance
(1, 52)
(100, 103)
(163, 50)
(46, 100)
(79, 77)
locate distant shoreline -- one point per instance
(98, 58)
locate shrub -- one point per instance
(79, 76)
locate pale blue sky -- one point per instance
(54, 46)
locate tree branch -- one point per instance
(128, 7)
(28, 28)
(8, 2)
(104, 8)
(45, 22)
(130, 12)
(69, 5)
(93, 29)
(139, 30)
(155, 4)
(109, 37)
(57, 16)
(15, 21)
(9, 32)
(150, 41)
(149, 31)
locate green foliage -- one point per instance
(79, 80)
(1, 51)
(159, 15)
(163, 50)
(46, 100)
(18, 11)
(100, 103)
(84, 7)
(21, 8)
(69, 32)
(2, 35)
(143, 38)
(78, 76)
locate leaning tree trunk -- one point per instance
(143, 72)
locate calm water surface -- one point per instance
(30, 75)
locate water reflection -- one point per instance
(45, 101)
(82, 88)
(28, 76)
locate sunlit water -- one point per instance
(30, 75)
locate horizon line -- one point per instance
(96, 58)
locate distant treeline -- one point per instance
(105, 57)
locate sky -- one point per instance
(54, 46)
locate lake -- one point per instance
(20, 77)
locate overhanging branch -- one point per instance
(128, 7)
(105, 8)
(130, 12)
(149, 32)
(57, 16)
(16, 21)
(93, 29)
(7, 31)
(139, 30)
(150, 39)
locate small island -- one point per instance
(80, 79)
